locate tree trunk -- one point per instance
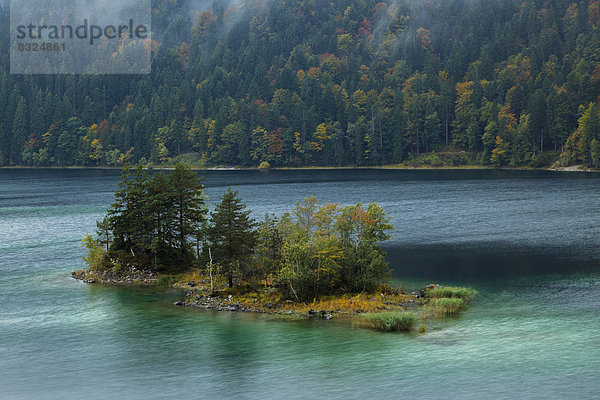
(210, 269)
(446, 130)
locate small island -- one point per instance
(319, 261)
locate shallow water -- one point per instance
(528, 241)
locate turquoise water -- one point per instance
(528, 241)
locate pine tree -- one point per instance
(104, 232)
(231, 234)
(19, 132)
(127, 215)
(157, 215)
(161, 214)
(188, 202)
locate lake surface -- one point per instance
(527, 240)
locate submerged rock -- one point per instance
(423, 292)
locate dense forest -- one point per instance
(315, 82)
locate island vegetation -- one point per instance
(317, 261)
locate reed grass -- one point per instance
(286, 317)
(464, 293)
(447, 305)
(387, 321)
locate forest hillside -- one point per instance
(328, 83)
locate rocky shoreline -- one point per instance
(128, 276)
(226, 303)
(229, 303)
(197, 295)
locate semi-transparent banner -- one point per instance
(80, 37)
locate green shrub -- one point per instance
(388, 321)
(118, 267)
(264, 165)
(432, 159)
(187, 158)
(165, 280)
(96, 255)
(459, 159)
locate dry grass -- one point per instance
(270, 300)
(361, 303)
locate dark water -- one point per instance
(528, 241)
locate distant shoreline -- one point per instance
(573, 168)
